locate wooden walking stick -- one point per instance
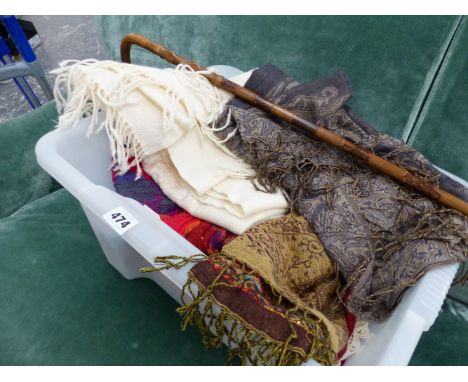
(396, 172)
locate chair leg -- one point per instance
(39, 74)
(23, 85)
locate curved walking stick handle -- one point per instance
(135, 39)
(372, 160)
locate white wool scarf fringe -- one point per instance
(154, 114)
(76, 102)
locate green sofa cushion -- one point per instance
(22, 179)
(441, 132)
(442, 129)
(446, 343)
(390, 61)
(63, 304)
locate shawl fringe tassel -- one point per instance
(218, 324)
(77, 102)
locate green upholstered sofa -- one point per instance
(62, 303)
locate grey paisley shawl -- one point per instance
(383, 236)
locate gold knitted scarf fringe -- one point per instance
(173, 262)
(217, 323)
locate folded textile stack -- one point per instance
(163, 119)
(293, 283)
(208, 238)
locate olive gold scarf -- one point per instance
(271, 295)
(289, 256)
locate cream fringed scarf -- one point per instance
(163, 119)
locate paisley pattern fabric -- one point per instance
(289, 256)
(382, 235)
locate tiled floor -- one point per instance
(63, 38)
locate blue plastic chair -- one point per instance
(19, 70)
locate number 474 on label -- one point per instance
(120, 220)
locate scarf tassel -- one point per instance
(77, 96)
(173, 262)
(216, 323)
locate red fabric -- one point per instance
(207, 237)
(351, 322)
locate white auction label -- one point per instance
(120, 220)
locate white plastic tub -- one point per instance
(82, 166)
